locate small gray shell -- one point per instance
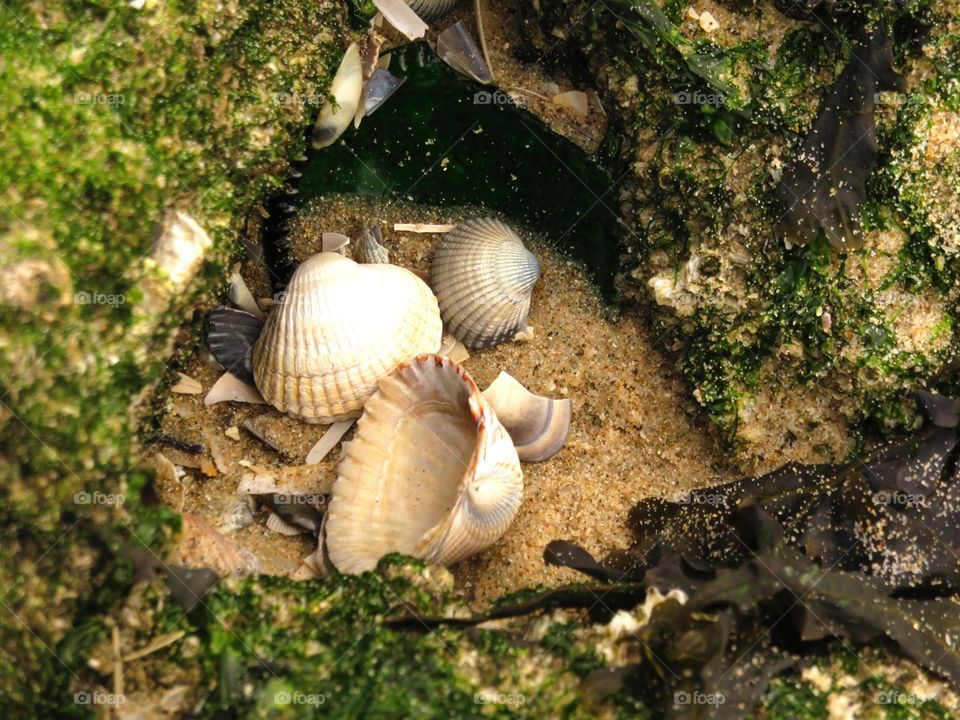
(432, 9)
(483, 275)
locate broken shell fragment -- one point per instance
(340, 328)
(241, 296)
(230, 388)
(346, 90)
(575, 101)
(399, 14)
(368, 248)
(328, 442)
(187, 385)
(378, 89)
(232, 336)
(537, 425)
(333, 241)
(430, 473)
(483, 276)
(277, 525)
(457, 49)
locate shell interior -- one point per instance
(538, 426)
(430, 472)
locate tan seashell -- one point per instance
(277, 525)
(346, 89)
(483, 276)
(538, 426)
(430, 473)
(340, 328)
(368, 248)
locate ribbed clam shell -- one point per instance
(483, 276)
(432, 9)
(367, 249)
(340, 328)
(430, 473)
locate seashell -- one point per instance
(538, 426)
(241, 296)
(277, 525)
(456, 48)
(400, 16)
(368, 248)
(575, 101)
(232, 336)
(333, 241)
(378, 90)
(432, 9)
(230, 388)
(430, 472)
(328, 442)
(187, 385)
(347, 88)
(341, 328)
(483, 276)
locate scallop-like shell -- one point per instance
(368, 249)
(538, 425)
(432, 9)
(430, 473)
(483, 276)
(341, 328)
(347, 89)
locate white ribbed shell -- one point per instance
(340, 328)
(430, 472)
(483, 276)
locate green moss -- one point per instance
(113, 115)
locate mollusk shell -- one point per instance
(347, 89)
(368, 249)
(483, 276)
(430, 473)
(340, 328)
(538, 426)
(432, 9)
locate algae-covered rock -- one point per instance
(793, 351)
(136, 136)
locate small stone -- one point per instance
(232, 432)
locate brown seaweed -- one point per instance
(825, 186)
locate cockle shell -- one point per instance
(483, 276)
(346, 89)
(368, 248)
(430, 473)
(538, 426)
(340, 328)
